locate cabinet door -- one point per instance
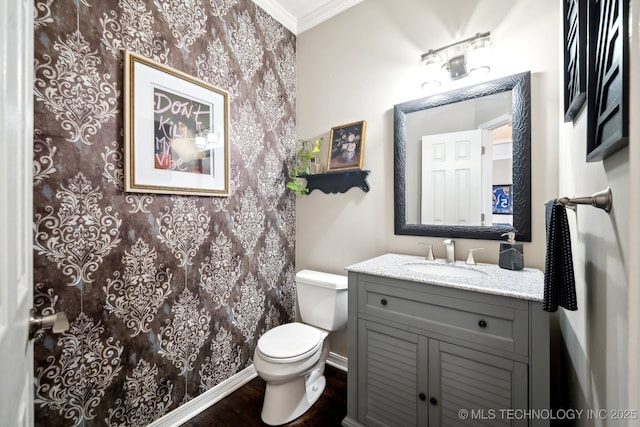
(473, 388)
(387, 376)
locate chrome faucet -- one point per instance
(451, 249)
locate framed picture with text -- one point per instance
(176, 131)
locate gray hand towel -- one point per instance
(559, 280)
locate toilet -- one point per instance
(291, 358)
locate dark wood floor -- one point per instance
(243, 406)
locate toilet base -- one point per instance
(286, 401)
(276, 412)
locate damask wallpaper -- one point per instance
(166, 295)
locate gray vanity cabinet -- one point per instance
(427, 355)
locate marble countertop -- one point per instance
(524, 284)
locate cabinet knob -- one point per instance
(482, 324)
(383, 301)
(433, 401)
(422, 396)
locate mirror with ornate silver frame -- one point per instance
(416, 120)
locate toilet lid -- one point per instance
(290, 340)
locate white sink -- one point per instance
(444, 270)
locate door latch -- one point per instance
(57, 322)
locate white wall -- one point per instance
(595, 350)
(358, 65)
(361, 63)
(594, 338)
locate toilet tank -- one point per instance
(322, 299)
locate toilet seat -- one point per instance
(290, 342)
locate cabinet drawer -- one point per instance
(441, 310)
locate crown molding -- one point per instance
(280, 14)
(300, 24)
(324, 12)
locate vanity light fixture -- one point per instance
(469, 57)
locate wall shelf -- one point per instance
(337, 181)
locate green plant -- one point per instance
(302, 165)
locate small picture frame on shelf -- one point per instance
(346, 146)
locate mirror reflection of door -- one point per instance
(452, 178)
(490, 115)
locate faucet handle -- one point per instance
(470, 259)
(429, 256)
(451, 249)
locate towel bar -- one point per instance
(602, 200)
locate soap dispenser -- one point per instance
(511, 255)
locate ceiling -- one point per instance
(300, 15)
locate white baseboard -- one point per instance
(337, 361)
(184, 413)
(209, 398)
